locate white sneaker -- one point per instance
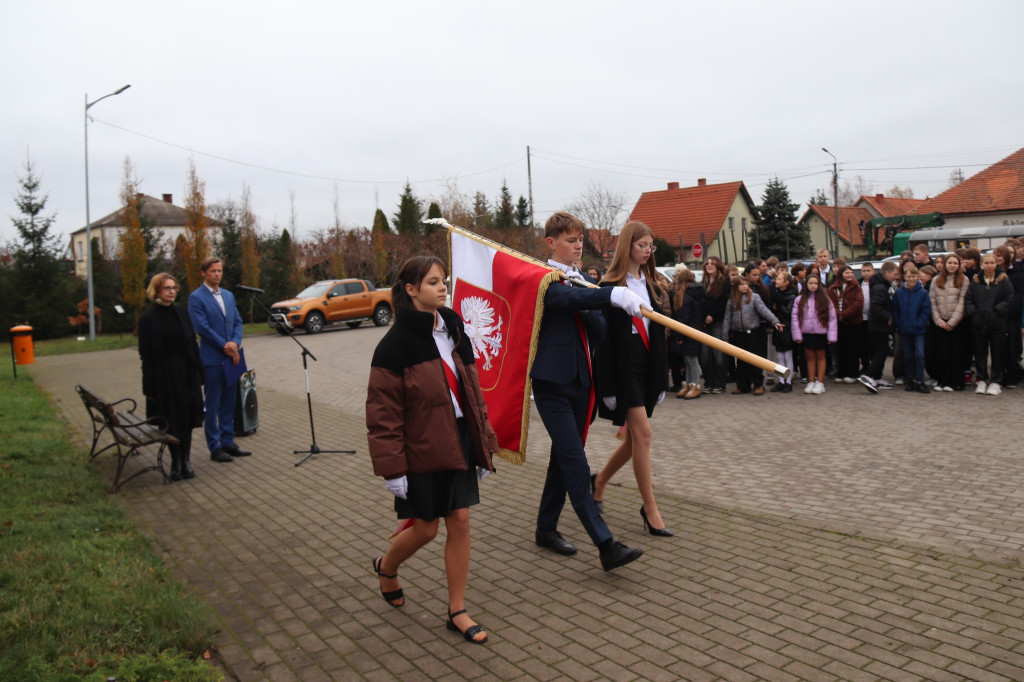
(981, 388)
(839, 380)
(810, 386)
(849, 380)
(883, 384)
(868, 382)
(819, 388)
(948, 389)
(899, 381)
(994, 389)
(931, 382)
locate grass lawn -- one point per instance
(71, 344)
(82, 594)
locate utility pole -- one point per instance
(835, 197)
(529, 183)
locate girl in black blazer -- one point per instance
(633, 368)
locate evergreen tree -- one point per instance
(504, 211)
(665, 254)
(481, 211)
(819, 198)
(380, 223)
(433, 211)
(40, 288)
(775, 231)
(410, 213)
(523, 217)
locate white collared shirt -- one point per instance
(218, 298)
(639, 287)
(445, 346)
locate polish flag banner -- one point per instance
(500, 295)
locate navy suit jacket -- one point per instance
(215, 328)
(560, 354)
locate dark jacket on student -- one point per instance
(989, 303)
(880, 310)
(691, 313)
(782, 306)
(407, 375)
(911, 310)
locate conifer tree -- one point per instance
(410, 213)
(433, 211)
(380, 223)
(776, 232)
(504, 210)
(523, 217)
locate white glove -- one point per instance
(610, 402)
(482, 473)
(398, 486)
(661, 396)
(628, 301)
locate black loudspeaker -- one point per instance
(246, 413)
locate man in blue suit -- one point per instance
(216, 320)
(563, 392)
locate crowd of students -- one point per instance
(949, 322)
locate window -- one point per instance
(81, 251)
(732, 225)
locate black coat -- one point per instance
(691, 313)
(988, 305)
(172, 377)
(782, 306)
(613, 359)
(880, 312)
(715, 305)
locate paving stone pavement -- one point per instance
(836, 537)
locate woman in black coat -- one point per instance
(172, 373)
(783, 293)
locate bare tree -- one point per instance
(956, 177)
(599, 207)
(849, 194)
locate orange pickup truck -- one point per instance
(335, 300)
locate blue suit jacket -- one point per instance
(214, 327)
(560, 354)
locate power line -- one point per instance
(298, 174)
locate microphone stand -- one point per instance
(314, 449)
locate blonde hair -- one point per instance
(156, 282)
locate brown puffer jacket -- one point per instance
(409, 414)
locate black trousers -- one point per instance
(948, 351)
(850, 343)
(755, 341)
(996, 341)
(879, 351)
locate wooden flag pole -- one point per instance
(665, 321)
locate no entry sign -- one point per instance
(697, 250)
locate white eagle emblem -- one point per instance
(484, 334)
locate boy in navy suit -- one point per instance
(216, 320)
(563, 391)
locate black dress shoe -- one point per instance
(219, 455)
(175, 469)
(235, 451)
(186, 470)
(615, 554)
(554, 541)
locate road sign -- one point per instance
(697, 250)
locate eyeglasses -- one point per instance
(645, 247)
(169, 287)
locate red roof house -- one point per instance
(684, 216)
(995, 196)
(818, 221)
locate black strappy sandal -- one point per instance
(389, 597)
(470, 632)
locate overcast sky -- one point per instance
(314, 100)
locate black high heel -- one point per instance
(660, 532)
(389, 597)
(470, 633)
(593, 489)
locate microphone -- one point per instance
(251, 290)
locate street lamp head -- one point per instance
(825, 150)
(118, 92)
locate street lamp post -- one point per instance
(835, 196)
(88, 226)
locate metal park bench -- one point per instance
(129, 431)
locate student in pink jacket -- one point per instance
(814, 326)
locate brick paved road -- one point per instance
(843, 536)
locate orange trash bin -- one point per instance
(21, 341)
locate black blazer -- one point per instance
(157, 374)
(613, 362)
(560, 356)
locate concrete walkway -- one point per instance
(836, 537)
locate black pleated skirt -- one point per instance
(436, 495)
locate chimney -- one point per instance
(673, 185)
(167, 198)
(879, 196)
(702, 182)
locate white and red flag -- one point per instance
(500, 295)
